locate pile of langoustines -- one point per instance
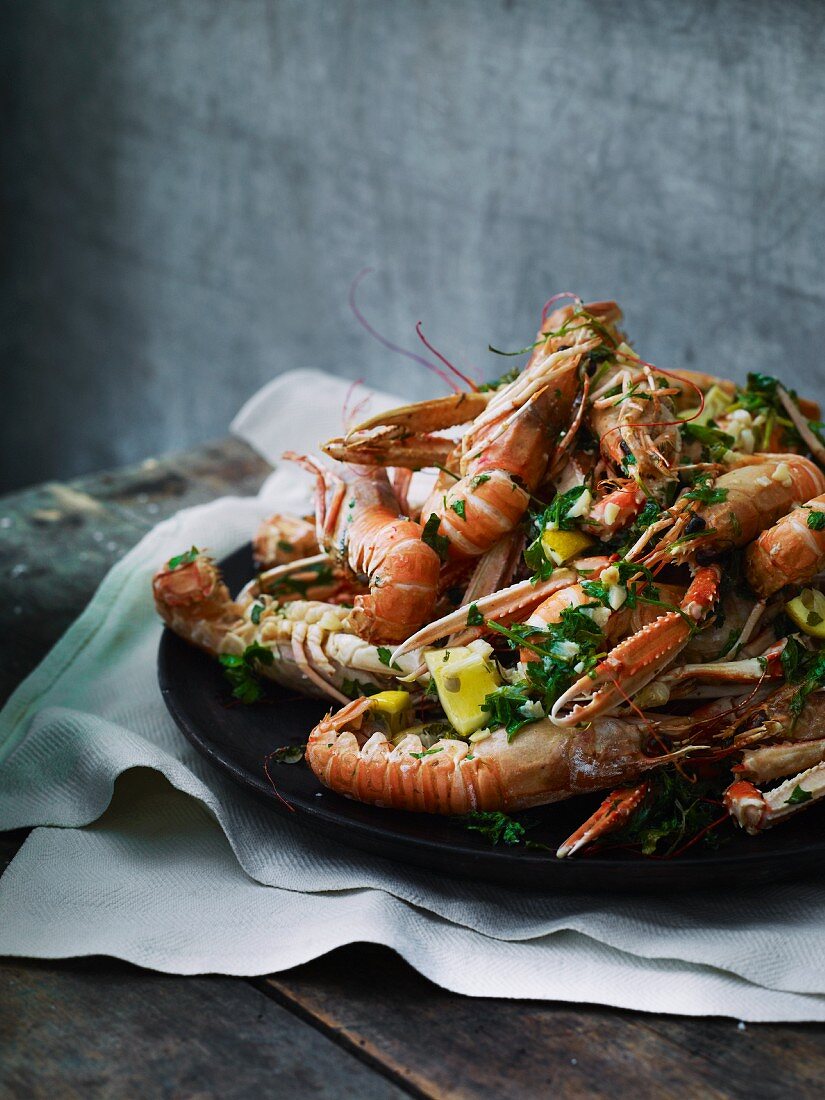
(612, 584)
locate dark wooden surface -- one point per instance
(359, 1022)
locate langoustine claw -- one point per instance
(639, 659)
(614, 812)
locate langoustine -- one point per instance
(592, 444)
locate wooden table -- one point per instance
(359, 1022)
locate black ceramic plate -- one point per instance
(237, 738)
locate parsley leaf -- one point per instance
(255, 614)
(353, 689)
(504, 706)
(183, 559)
(705, 493)
(535, 560)
(474, 616)
(563, 652)
(804, 667)
(301, 582)
(798, 796)
(674, 811)
(458, 506)
(479, 479)
(495, 826)
(816, 520)
(384, 656)
(289, 754)
(556, 515)
(430, 535)
(242, 671)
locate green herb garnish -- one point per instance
(354, 689)
(430, 535)
(474, 616)
(704, 492)
(242, 671)
(289, 754)
(183, 559)
(385, 655)
(494, 826)
(798, 796)
(714, 441)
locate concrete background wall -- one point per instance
(189, 186)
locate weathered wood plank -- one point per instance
(58, 540)
(454, 1047)
(102, 1029)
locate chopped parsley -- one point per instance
(798, 796)
(494, 826)
(243, 671)
(804, 667)
(255, 613)
(289, 754)
(384, 656)
(505, 707)
(183, 559)
(564, 651)
(285, 546)
(714, 442)
(509, 376)
(458, 506)
(474, 616)
(354, 689)
(301, 582)
(479, 479)
(537, 562)
(704, 492)
(556, 515)
(760, 397)
(430, 535)
(816, 520)
(674, 812)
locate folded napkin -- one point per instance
(146, 853)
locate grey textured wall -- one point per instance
(190, 185)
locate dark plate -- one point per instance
(237, 738)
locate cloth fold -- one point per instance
(146, 853)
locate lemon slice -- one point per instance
(561, 546)
(808, 612)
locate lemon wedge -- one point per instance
(561, 546)
(463, 678)
(393, 706)
(808, 612)
(716, 403)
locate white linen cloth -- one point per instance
(146, 853)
